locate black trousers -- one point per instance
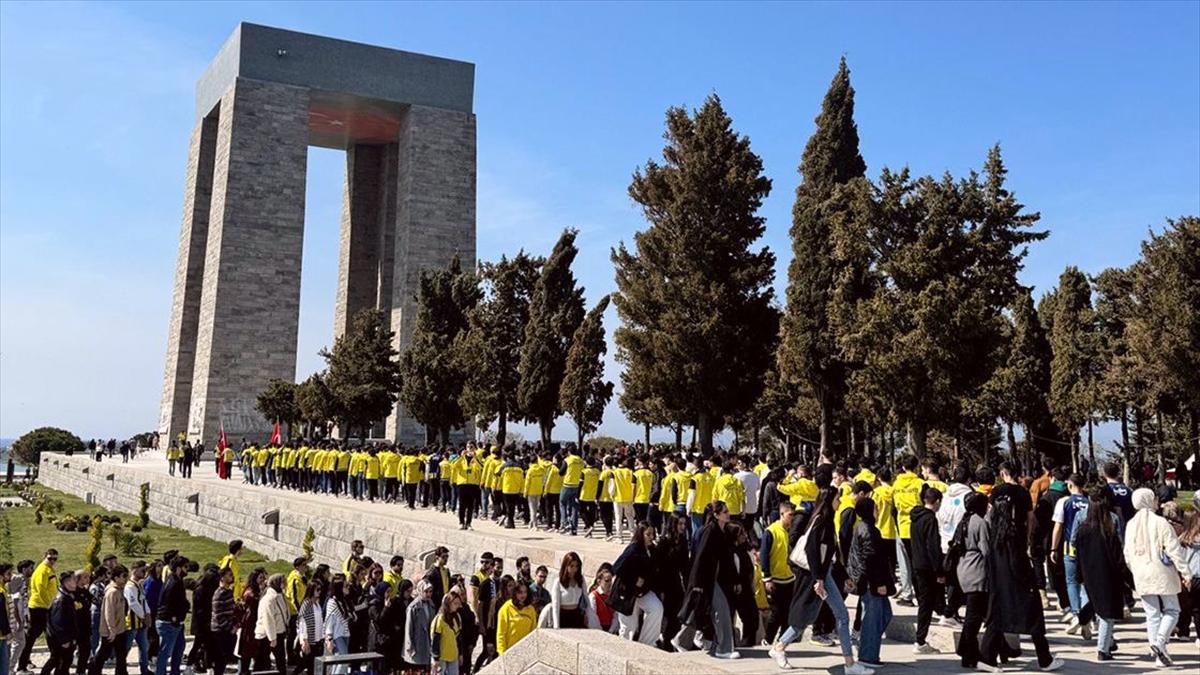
(588, 511)
(512, 502)
(445, 501)
(606, 517)
(641, 512)
(553, 514)
(931, 596)
(410, 494)
(83, 650)
(264, 653)
(117, 648)
(37, 626)
(747, 610)
(968, 642)
(993, 643)
(304, 662)
(468, 497)
(220, 650)
(60, 659)
(780, 601)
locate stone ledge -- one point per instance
(588, 652)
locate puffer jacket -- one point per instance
(868, 562)
(1152, 550)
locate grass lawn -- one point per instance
(30, 540)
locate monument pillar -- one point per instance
(189, 274)
(250, 301)
(435, 221)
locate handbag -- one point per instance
(798, 556)
(622, 597)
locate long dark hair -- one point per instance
(823, 508)
(337, 594)
(639, 534)
(1005, 535)
(1099, 514)
(565, 578)
(253, 580)
(714, 509)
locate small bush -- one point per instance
(136, 527)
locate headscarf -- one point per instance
(1137, 532)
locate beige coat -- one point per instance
(272, 619)
(112, 612)
(1149, 536)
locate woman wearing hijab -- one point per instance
(818, 582)
(1014, 603)
(1156, 560)
(1102, 567)
(389, 622)
(416, 629)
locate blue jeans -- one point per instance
(3, 655)
(170, 646)
(833, 598)
(143, 645)
(697, 523)
(877, 614)
(1076, 593)
(570, 505)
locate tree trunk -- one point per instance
(694, 436)
(915, 440)
(737, 440)
(1158, 450)
(445, 436)
(756, 437)
(787, 446)
(547, 427)
(501, 428)
(580, 436)
(826, 425)
(646, 428)
(678, 437)
(1091, 447)
(705, 431)
(1125, 439)
(1012, 440)
(1075, 451)
(892, 449)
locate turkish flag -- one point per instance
(222, 449)
(276, 438)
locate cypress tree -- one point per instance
(584, 392)
(1072, 367)
(808, 351)
(433, 378)
(694, 299)
(555, 312)
(490, 351)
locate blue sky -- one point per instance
(1097, 107)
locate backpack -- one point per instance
(958, 543)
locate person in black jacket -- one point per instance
(83, 617)
(62, 627)
(672, 562)
(743, 601)
(635, 572)
(929, 575)
(712, 558)
(202, 595)
(871, 575)
(173, 608)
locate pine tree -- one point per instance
(555, 312)
(432, 374)
(364, 374)
(808, 350)
(490, 351)
(277, 403)
(584, 392)
(1073, 366)
(1120, 381)
(694, 299)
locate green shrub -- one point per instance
(144, 511)
(28, 449)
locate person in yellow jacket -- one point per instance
(394, 575)
(699, 497)
(231, 562)
(551, 501)
(373, 472)
(515, 620)
(493, 498)
(778, 579)
(799, 489)
(43, 586)
(443, 637)
(512, 479)
(885, 514)
(468, 474)
(666, 497)
(727, 488)
(342, 470)
(411, 473)
(906, 495)
(389, 467)
(573, 466)
(604, 501)
(643, 486)
(296, 585)
(535, 485)
(622, 489)
(589, 492)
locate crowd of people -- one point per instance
(721, 553)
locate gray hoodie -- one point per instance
(972, 567)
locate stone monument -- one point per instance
(405, 121)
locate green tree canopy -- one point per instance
(28, 448)
(364, 374)
(316, 403)
(1073, 368)
(555, 312)
(694, 299)
(277, 403)
(489, 353)
(432, 375)
(584, 392)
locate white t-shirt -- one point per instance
(750, 482)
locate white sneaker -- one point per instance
(698, 640)
(871, 664)
(858, 669)
(949, 622)
(678, 647)
(1053, 665)
(780, 657)
(926, 649)
(1074, 626)
(988, 668)
(728, 656)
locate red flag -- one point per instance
(276, 439)
(222, 448)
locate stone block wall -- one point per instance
(229, 510)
